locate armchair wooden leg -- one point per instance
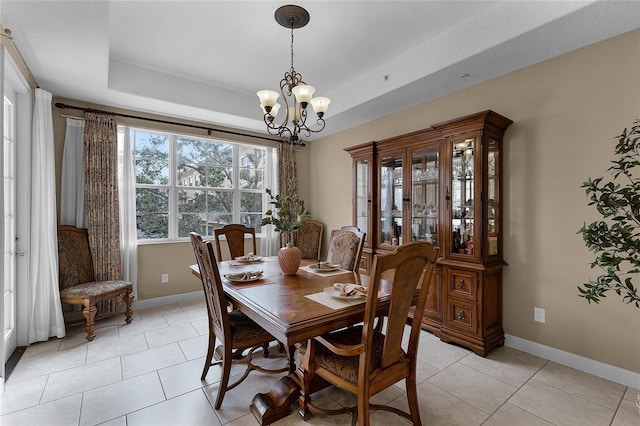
(89, 313)
(128, 300)
(210, 352)
(412, 398)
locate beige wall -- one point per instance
(566, 112)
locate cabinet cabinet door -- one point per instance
(362, 195)
(463, 196)
(425, 195)
(391, 198)
(493, 212)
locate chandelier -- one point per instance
(296, 94)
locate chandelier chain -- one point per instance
(291, 48)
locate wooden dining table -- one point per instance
(293, 308)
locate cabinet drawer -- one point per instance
(462, 315)
(463, 284)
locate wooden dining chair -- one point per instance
(77, 282)
(236, 332)
(309, 239)
(234, 234)
(345, 247)
(362, 360)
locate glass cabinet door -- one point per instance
(363, 195)
(461, 196)
(493, 194)
(391, 199)
(425, 172)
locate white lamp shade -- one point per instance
(303, 92)
(275, 109)
(294, 114)
(320, 104)
(267, 98)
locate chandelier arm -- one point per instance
(320, 122)
(272, 129)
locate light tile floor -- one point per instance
(148, 373)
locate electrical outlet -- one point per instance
(165, 278)
(538, 315)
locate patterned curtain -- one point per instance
(101, 193)
(287, 177)
(287, 171)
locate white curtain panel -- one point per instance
(72, 210)
(269, 241)
(45, 310)
(127, 195)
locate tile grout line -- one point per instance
(516, 391)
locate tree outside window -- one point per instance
(186, 184)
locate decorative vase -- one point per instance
(289, 258)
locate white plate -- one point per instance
(336, 293)
(237, 278)
(244, 259)
(324, 268)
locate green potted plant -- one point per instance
(615, 239)
(287, 216)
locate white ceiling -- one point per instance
(204, 60)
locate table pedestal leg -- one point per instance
(275, 405)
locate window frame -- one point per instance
(173, 187)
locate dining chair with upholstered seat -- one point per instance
(235, 235)
(362, 360)
(345, 247)
(309, 239)
(77, 281)
(236, 332)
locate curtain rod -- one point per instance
(156, 120)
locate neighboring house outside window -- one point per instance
(186, 183)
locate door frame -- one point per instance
(10, 71)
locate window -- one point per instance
(186, 183)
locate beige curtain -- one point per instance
(101, 193)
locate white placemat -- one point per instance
(323, 274)
(334, 302)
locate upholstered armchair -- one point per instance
(77, 279)
(364, 360)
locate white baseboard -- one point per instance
(164, 300)
(597, 368)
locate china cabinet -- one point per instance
(443, 185)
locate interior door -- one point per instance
(9, 217)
